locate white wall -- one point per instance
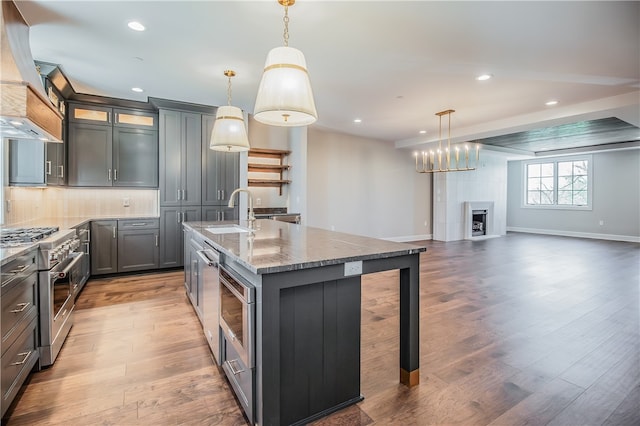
(451, 190)
(616, 202)
(365, 187)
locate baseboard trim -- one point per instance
(611, 237)
(409, 238)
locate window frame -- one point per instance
(555, 160)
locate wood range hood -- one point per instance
(25, 110)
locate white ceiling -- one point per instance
(393, 64)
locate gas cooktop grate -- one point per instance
(15, 237)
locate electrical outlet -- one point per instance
(258, 201)
(125, 202)
(601, 222)
(353, 268)
(8, 202)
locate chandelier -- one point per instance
(229, 133)
(284, 95)
(443, 160)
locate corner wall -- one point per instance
(616, 202)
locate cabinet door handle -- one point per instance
(22, 306)
(26, 357)
(115, 174)
(157, 241)
(61, 172)
(109, 174)
(222, 192)
(108, 117)
(138, 224)
(114, 232)
(115, 117)
(48, 167)
(222, 214)
(184, 194)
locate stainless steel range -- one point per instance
(59, 265)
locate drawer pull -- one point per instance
(26, 357)
(22, 306)
(138, 224)
(233, 370)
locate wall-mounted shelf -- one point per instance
(269, 167)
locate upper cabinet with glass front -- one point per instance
(110, 146)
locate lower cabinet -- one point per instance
(172, 234)
(138, 245)
(19, 325)
(193, 272)
(104, 247)
(124, 245)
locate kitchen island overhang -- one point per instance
(308, 287)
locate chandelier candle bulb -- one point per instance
(457, 156)
(477, 153)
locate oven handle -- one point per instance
(202, 254)
(76, 258)
(233, 370)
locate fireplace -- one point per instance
(478, 223)
(479, 217)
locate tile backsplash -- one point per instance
(25, 204)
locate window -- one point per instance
(558, 183)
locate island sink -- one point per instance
(233, 229)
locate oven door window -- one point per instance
(231, 310)
(61, 292)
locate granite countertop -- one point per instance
(8, 254)
(279, 246)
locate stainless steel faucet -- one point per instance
(252, 218)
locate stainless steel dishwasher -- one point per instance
(211, 298)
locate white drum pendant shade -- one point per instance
(284, 96)
(229, 133)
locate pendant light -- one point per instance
(229, 133)
(284, 96)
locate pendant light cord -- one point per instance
(229, 92)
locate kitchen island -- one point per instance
(307, 311)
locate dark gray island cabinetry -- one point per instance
(296, 356)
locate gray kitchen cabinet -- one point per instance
(180, 158)
(219, 213)
(172, 235)
(124, 245)
(220, 170)
(104, 247)
(138, 244)
(90, 154)
(56, 163)
(27, 162)
(193, 267)
(19, 344)
(106, 153)
(134, 157)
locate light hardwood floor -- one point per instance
(522, 329)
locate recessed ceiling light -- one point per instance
(483, 77)
(422, 132)
(137, 89)
(136, 26)
(357, 120)
(551, 103)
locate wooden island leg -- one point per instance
(410, 323)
